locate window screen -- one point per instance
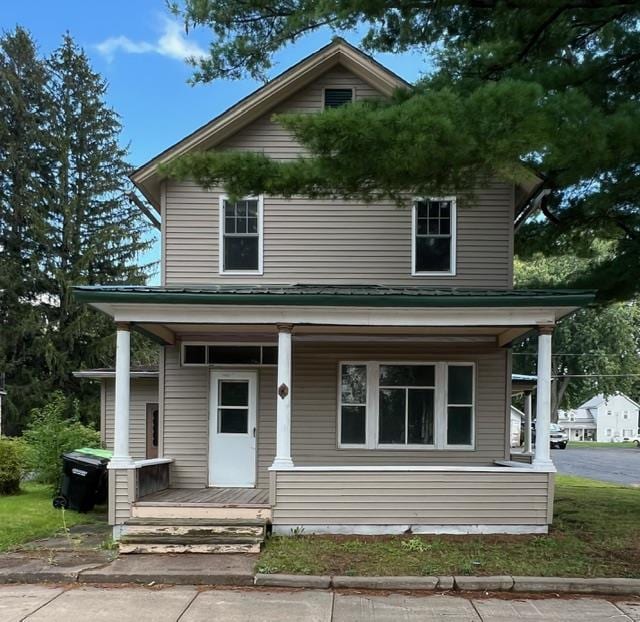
(334, 98)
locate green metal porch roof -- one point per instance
(335, 296)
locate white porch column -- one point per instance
(527, 422)
(121, 454)
(283, 410)
(542, 457)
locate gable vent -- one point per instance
(333, 98)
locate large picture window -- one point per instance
(434, 237)
(241, 236)
(390, 405)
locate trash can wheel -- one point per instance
(60, 502)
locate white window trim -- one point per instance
(454, 228)
(331, 87)
(226, 343)
(260, 270)
(440, 408)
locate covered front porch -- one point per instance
(285, 434)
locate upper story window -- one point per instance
(434, 237)
(241, 236)
(334, 98)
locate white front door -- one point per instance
(232, 429)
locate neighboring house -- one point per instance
(325, 364)
(517, 419)
(603, 419)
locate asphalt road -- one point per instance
(620, 466)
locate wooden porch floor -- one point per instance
(207, 497)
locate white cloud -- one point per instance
(172, 43)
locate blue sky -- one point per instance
(139, 48)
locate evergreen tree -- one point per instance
(64, 220)
(550, 84)
(24, 180)
(96, 235)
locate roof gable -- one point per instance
(274, 92)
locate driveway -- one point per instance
(620, 466)
(35, 603)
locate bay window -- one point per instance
(390, 405)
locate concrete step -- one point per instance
(128, 549)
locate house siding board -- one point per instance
(339, 242)
(331, 241)
(412, 498)
(143, 391)
(315, 388)
(314, 418)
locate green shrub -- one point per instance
(12, 465)
(51, 433)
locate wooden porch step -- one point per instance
(201, 511)
(192, 535)
(129, 549)
(224, 522)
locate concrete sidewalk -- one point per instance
(188, 604)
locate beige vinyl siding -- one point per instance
(315, 395)
(121, 494)
(314, 419)
(186, 422)
(143, 391)
(411, 498)
(269, 137)
(331, 241)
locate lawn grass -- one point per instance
(591, 444)
(596, 533)
(30, 515)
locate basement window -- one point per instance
(334, 98)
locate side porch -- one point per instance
(334, 417)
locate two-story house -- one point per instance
(329, 365)
(603, 418)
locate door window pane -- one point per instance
(353, 425)
(420, 416)
(392, 404)
(233, 393)
(459, 425)
(233, 420)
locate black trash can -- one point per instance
(84, 481)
